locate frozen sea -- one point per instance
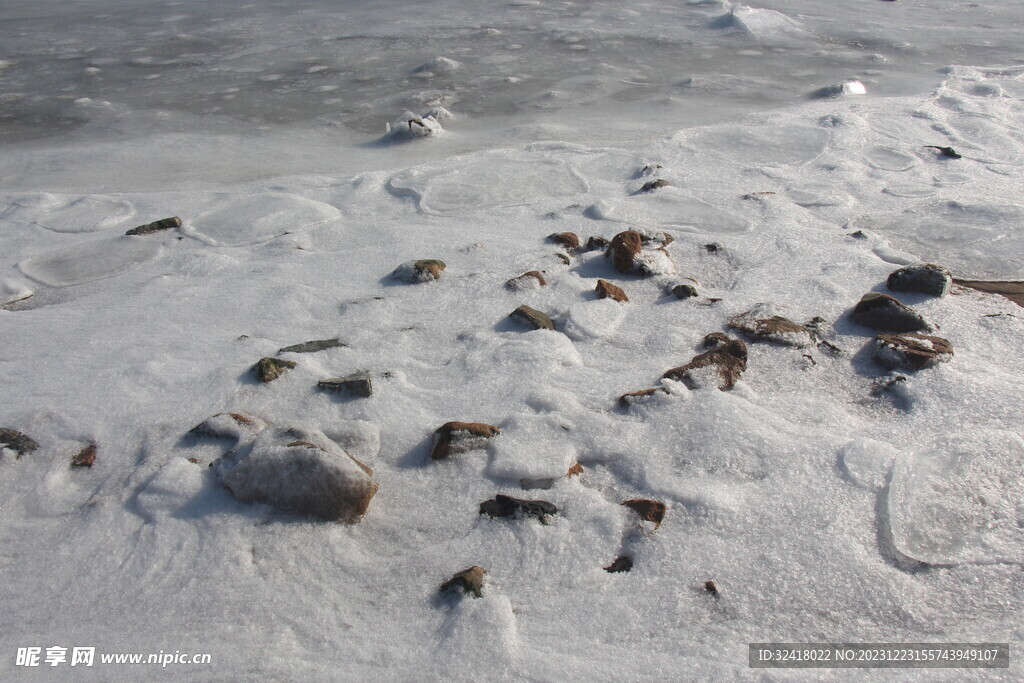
(311, 147)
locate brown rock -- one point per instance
(624, 249)
(882, 312)
(595, 243)
(775, 329)
(730, 359)
(457, 437)
(575, 470)
(532, 317)
(269, 369)
(627, 400)
(569, 240)
(533, 277)
(16, 441)
(86, 457)
(468, 581)
(649, 510)
(606, 290)
(911, 351)
(1012, 290)
(710, 587)
(714, 339)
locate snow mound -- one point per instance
(867, 462)
(97, 260)
(782, 145)
(88, 214)
(533, 447)
(762, 24)
(594, 319)
(13, 289)
(668, 209)
(255, 219)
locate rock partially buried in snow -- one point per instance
(458, 437)
(533, 318)
(156, 226)
(1012, 290)
(759, 326)
(606, 290)
(626, 400)
(926, 278)
(423, 270)
(440, 66)
(530, 280)
(85, 457)
(622, 564)
(299, 471)
(237, 426)
(597, 243)
(570, 241)
(468, 581)
(313, 346)
(358, 383)
(841, 89)
(728, 360)
(684, 291)
(623, 250)
(713, 339)
(16, 441)
(408, 126)
(882, 312)
(910, 351)
(507, 506)
(653, 185)
(649, 510)
(268, 369)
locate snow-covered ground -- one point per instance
(828, 498)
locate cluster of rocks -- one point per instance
(22, 444)
(270, 368)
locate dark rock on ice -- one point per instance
(507, 506)
(728, 359)
(772, 328)
(684, 291)
(268, 369)
(468, 581)
(314, 346)
(357, 383)
(458, 437)
(423, 270)
(714, 339)
(882, 312)
(86, 457)
(946, 151)
(713, 247)
(624, 249)
(923, 279)
(156, 226)
(621, 565)
(595, 243)
(606, 290)
(533, 318)
(16, 441)
(910, 351)
(652, 185)
(649, 510)
(710, 587)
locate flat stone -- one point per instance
(237, 426)
(156, 226)
(775, 329)
(652, 185)
(507, 506)
(357, 383)
(713, 339)
(649, 510)
(86, 457)
(1012, 290)
(458, 437)
(926, 278)
(606, 290)
(269, 369)
(16, 441)
(534, 278)
(730, 359)
(882, 312)
(533, 318)
(910, 351)
(624, 249)
(621, 565)
(468, 581)
(568, 240)
(314, 346)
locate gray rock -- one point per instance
(268, 369)
(882, 312)
(652, 185)
(507, 506)
(358, 383)
(156, 226)
(926, 278)
(533, 318)
(314, 346)
(684, 291)
(16, 441)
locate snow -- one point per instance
(825, 506)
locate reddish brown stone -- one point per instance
(626, 400)
(468, 580)
(1012, 290)
(517, 282)
(86, 457)
(775, 329)
(710, 587)
(574, 470)
(911, 351)
(454, 431)
(729, 358)
(569, 240)
(606, 290)
(649, 510)
(623, 250)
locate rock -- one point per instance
(927, 278)
(269, 369)
(86, 457)
(626, 400)
(911, 351)
(237, 426)
(299, 471)
(624, 249)
(729, 359)
(606, 290)
(568, 240)
(772, 328)
(652, 185)
(507, 506)
(358, 383)
(409, 126)
(452, 438)
(468, 581)
(684, 291)
(313, 346)
(595, 243)
(575, 470)
(946, 151)
(621, 564)
(710, 587)
(564, 258)
(156, 226)
(882, 312)
(713, 247)
(649, 170)
(16, 441)
(529, 280)
(423, 270)
(533, 318)
(714, 339)
(1012, 290)
(649, 510)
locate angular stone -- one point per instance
(507, 506)
(595, 243)
(16, 441)
(624, 249)
(927, 278)
(237, 426)
(86, 457)
(269, 369)
(299, 471)
(882, 312)
(652, 185)
(713, 339)
(452, 438)
(534, 278)
(730, 359)
(568, 240)
(314, 346)
(358, 383)
(649, 510)
(710, 587)
(575, 470)
(606, 290)
(468, 581)
(1012, 290)
(621, 564)
(423, 270)
(156, 226)
(684, 291)
(775, 329)
(533, 318)
(911, 351)
(626, 400)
